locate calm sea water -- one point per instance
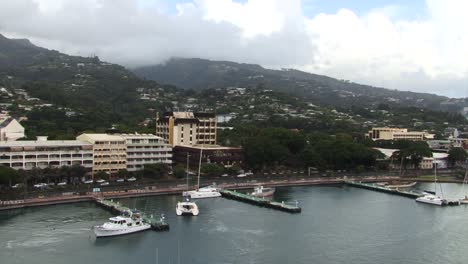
(337, 225)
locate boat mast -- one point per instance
(199, 167)
(187, 173)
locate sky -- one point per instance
(417, 45)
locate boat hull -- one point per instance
(202, 195)
(101, 232)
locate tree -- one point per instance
(8, 175)
(212, 169)
(101, 175)
(457, 155)
(413, 153)
(179, 171)
(77, 171)
(156, 170)
(122, 173)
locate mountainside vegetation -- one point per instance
(61, 96)
(321, 90)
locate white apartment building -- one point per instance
(44, 153)
(110, 152)
(187, 128)
(10, 130)
(146, 149)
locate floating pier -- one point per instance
(117, 208)
(409, 194)
(373, 187)
(262, 202)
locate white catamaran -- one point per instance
(433, 198)
(187, 207)
(205, 192)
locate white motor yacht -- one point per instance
(187, 208)
(128, 223)
(205, 192)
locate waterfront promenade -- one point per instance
(142, 191)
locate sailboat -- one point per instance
(205, 192)
(464, 200)
(187, 207)
(433, 198)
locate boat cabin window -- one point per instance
(137, 223)
(129, 224)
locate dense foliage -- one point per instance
(273, 147)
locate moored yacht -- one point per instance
(205, 192)
(129, 222)
(431, 199)
(261, 191)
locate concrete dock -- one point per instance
(117, 208)
(262, 202)
(373, 187)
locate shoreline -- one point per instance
(90, 197)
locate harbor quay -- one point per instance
(71, 197)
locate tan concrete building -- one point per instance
(110, 152)
(187, 128)
(388, 133)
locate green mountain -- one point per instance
(94, 94)
(318, 89)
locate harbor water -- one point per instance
(338, 224)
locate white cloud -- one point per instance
(377, 48)
(422, 55)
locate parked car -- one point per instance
(88, 181)
(132, 179)
(100, 181)
(120, 180)
(248, 173)
(61, 183)
(224, 175)
(104, 183)
(18, 185)
(51, 184)
(40, 185)
(241, 175)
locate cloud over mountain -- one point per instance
(425, 54)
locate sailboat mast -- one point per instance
(187, 173)
(199, 167)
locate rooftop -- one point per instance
(103, 137)
(44, 143)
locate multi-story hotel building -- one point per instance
(187, 128)
(44, 153)
(110, 152)
(146, 149)
(388, 133)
